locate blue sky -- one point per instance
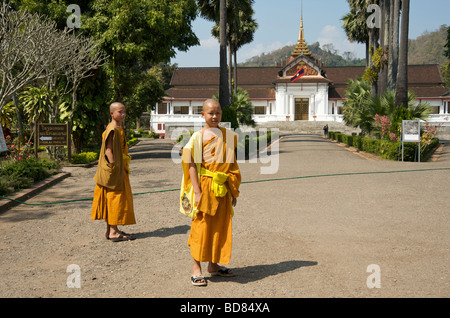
(279, 23)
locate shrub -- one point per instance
(385, 148)
(368, 145)
(84, 157)
(357, 142)
(22, 174)
(132, 141)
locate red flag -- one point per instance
(299, 74)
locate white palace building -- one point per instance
(316, 96)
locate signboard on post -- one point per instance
(411, 133)
(52, 135)
(411, 130)
(3, 146)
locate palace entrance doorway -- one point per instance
(301, 109)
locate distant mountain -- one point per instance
(426, 49)
(328, 55)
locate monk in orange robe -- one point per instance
(113, 200)
(216, 188)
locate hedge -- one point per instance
(384, 148)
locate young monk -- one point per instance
(113, 199)
(215, 178)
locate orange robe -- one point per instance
(210, 238)
(114, 206)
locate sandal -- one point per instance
(223, 271)
(122, 237)
(198, 280)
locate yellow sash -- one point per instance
(218, 181)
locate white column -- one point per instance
(292, 107)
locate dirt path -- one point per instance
(306, 237)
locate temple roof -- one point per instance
(301, 47)
(201, 83)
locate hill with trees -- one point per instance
(427, 48)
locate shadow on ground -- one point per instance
(253, 273)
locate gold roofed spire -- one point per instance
(301, 47)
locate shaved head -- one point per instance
(114, 105)
(210, 102)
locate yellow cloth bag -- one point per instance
(187, 202)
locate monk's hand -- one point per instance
(233, 201)
(197, 195)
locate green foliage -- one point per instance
(138, 35)
(360, 107)
(243, 107)
(384, 148)
(84, 157)
(17, 175)
(429, 48)
(36, 102)
(229, 114)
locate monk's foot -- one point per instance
(216, 270)
(121, 236)
(198, 280)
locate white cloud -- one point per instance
(210, 43)
(336, 36)
(256, 49)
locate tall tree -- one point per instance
(238, 27)
(356, 30)
(384, 44)
(360, 15)
(240, 30)
(142, 33)
(224, 93)
(401, 93)
(393, 43)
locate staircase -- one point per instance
(308, 127)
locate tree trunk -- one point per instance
(235, 72)
(401, 94)
(230, 69)
(373, 43)
(19, 117)
(395, 44)
(384, 42)
(224, 97)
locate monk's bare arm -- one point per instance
(194, 179)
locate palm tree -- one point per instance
(224, 93)
(240, 30)
(355, 105)
(401, 96)
(393, 43)
(229, 16)
(356, 30)
(244, 107)
(384, 44)
(360, 107)
(244, 34)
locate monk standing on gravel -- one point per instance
(113, 199)
(210, 167)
